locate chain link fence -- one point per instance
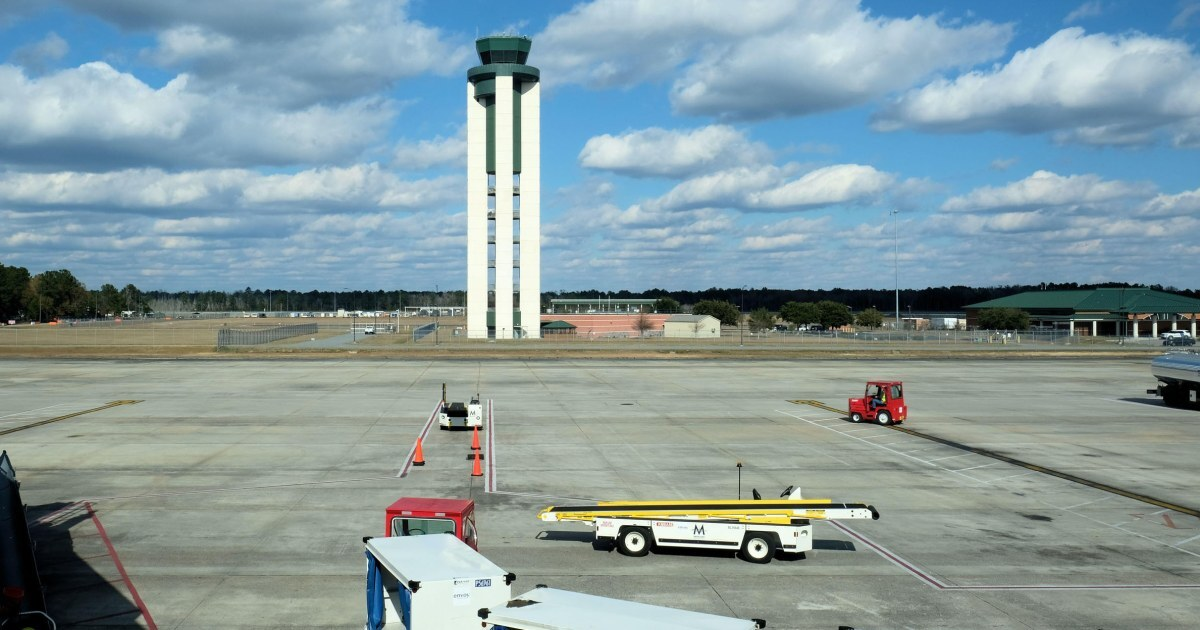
(237, 337)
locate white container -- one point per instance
(434, 582)
(552, 609)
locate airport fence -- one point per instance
(237, 337)
(420, 332)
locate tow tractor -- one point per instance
(417, 516)
(756, 528)
(456, 415)
(883, 402)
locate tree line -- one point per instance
(58, 294)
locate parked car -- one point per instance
(1179, 340)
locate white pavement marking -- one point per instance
(950, 457)
(883, 448)
(1077, 505)
(408, 461)
(489, 484)
(1024, 474)
(974, 467)
(934, 582)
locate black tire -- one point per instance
(634, 541)
(758, 547)
(856, 417)
(883, 417)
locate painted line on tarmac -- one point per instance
(269, 486)
(1136, 496)
(489, 484)
(1182, 509)
(412, 452)
(112, 552)
(115, 403)
(934, 582)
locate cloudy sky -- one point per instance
(319, 144)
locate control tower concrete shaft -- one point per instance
(504, 291)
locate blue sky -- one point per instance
(308, 144)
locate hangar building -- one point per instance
(1131, 312)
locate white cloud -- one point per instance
(1002, 164)
(1045, 189)
(832, 185)
(758, 59)
(1089, 9)
(772, 188)
(354, 189)
(790, 235)
(37, 56)
(95, 117)
(130, 189)
(1187, 11)
(293, 52)
(1184, 204)
(425, 154)
(1095, 89)
(656, 152)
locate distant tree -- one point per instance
(833, 314)
(54, 294)
(761, 319)
(800, 313)
(724, 311)
(1003, 319)
(869, 318)
(13, 283)
(666, 305)
(133, 300)
(109, 300)
(643, 324)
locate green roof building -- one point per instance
(1119, 312)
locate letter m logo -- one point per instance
(697, 530)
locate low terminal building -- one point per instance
(692, 327)
(1134, 312)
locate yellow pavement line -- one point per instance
(819, 405)
(115, 403)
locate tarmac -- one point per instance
(235, 493)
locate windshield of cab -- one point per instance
(408, 526)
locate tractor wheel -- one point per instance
(634, 542)
(855, 417)
(758, 547)
(883, 418)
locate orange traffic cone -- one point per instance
(419, 458)
(477, 471)
(475, 440)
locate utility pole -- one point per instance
(896, 262)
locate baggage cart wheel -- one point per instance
(856, 417)
(884, 417)
(634, 541)
(758, 547)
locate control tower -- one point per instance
(504, 290)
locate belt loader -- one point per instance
(756, 528)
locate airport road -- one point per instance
(235, 493)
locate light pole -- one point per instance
(741, 335)
(437, 311)
(896, 262)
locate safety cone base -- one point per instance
(477, 471)
(419, 456)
